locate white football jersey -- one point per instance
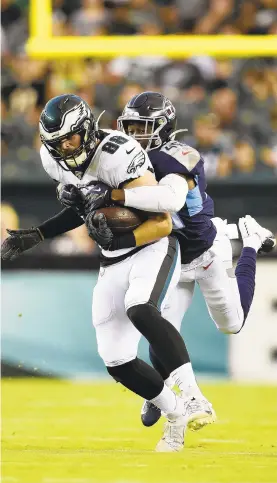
(117, 159)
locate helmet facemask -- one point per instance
(150, 138)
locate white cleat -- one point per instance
(173, 437)
(199, 413)
(255, 236)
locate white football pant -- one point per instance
(215, 276)
(150, 275)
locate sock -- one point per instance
(167, 402)
(245, 274)
(169, 382)
(164, 338)
(139, 377)
(184, 378)
(252, 241)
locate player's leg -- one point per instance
(256, 239)
(118, 339)
(173, 311)
(199, 408)
(153, 277)
(154, 274)
(148, 293)
(229, 295)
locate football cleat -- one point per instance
(150, 414)
(173, 436)
(255, 236)
(268, 245)
(199, 413)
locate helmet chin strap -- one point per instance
(76, 162)
(173, 134)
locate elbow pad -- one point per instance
(167, 196)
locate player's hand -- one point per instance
(19, 241)
(71, 197)
(97, 196)
(98, 230)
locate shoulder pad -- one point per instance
(49, 164)
(184, 154)
(102, 133)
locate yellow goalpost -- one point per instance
(43, 45)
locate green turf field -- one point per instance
(64, 432)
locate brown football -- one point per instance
(121, 219)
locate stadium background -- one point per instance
(228, 105)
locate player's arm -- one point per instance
(151, 230)
(167, 196)
(69, 218)
(155, 227)
(20, 241)
(179, 166)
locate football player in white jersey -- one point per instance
(129, 298)
(206, 251)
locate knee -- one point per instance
(138, 314)
(235, 329)
(116, 354)
(232, 327)
(120, 371)
(228, 318)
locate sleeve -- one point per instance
(64, 221)
(179, 158)
(122, 159)
(168, 196)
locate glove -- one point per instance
(97, 196)
(19, 241)
(71, 197)
(98, 230)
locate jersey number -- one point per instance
(113, 144)
(171, 145)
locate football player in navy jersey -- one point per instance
(206, 251)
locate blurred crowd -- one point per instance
(228, 106)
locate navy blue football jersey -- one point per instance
(192, 224)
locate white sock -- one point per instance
(166, 400)
(252, 241)
(169, 382)
(184, 378)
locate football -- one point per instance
(121, 219)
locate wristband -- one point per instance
(127, 240)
